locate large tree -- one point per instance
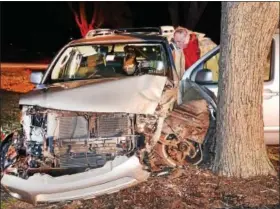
(246, 34)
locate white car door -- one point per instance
(198, 73)
(271, 97)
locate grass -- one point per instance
(7, 202)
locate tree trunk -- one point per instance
(246, 35)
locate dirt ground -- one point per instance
(13, 82)
(194, 189)
(16, 80)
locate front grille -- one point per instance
(113, 125)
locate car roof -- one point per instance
(119, 38)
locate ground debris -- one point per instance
(176, 173)
(192, 189)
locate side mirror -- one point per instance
(36, 77)
(204, 76)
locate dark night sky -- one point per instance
(44, 27)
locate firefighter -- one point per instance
(188, 42)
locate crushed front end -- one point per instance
(73, 154)
(99, 150)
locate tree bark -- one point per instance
(246, 34)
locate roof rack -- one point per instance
(138, 30)
(107, 31)
(99, 32)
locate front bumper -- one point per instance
(115, 175)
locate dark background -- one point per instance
(35, 31)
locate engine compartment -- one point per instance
(55, 141)
(61, 142)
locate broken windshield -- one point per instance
(110, 60)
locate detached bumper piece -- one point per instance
(115, 175)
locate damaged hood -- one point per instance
(138, 95)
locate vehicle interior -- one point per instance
(111, 60)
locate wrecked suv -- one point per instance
(109, 112)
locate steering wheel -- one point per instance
(143, 70)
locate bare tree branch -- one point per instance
(101, 20)
(76, 16)
(83, 15)
(95, 12)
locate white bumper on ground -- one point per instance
(115, 175)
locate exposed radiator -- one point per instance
(113, 125)
(73, 127)
(79, 148)
(106, 125)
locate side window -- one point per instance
(212, 64)
(207, 72)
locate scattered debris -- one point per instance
(176, 173)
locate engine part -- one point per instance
(37, 134)
(33, 163)
(182, 136)
(94, 139)
(38, 119)
(189, 121)
(113, 125)
(10, 149)
(52, 124)
(34, 148)
(175, 152)
(26, 122)
(73, 127)
(146, 123)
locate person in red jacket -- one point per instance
(188, 42)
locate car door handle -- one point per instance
(268, 94)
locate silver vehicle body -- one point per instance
(131, 95)
(120, 173)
